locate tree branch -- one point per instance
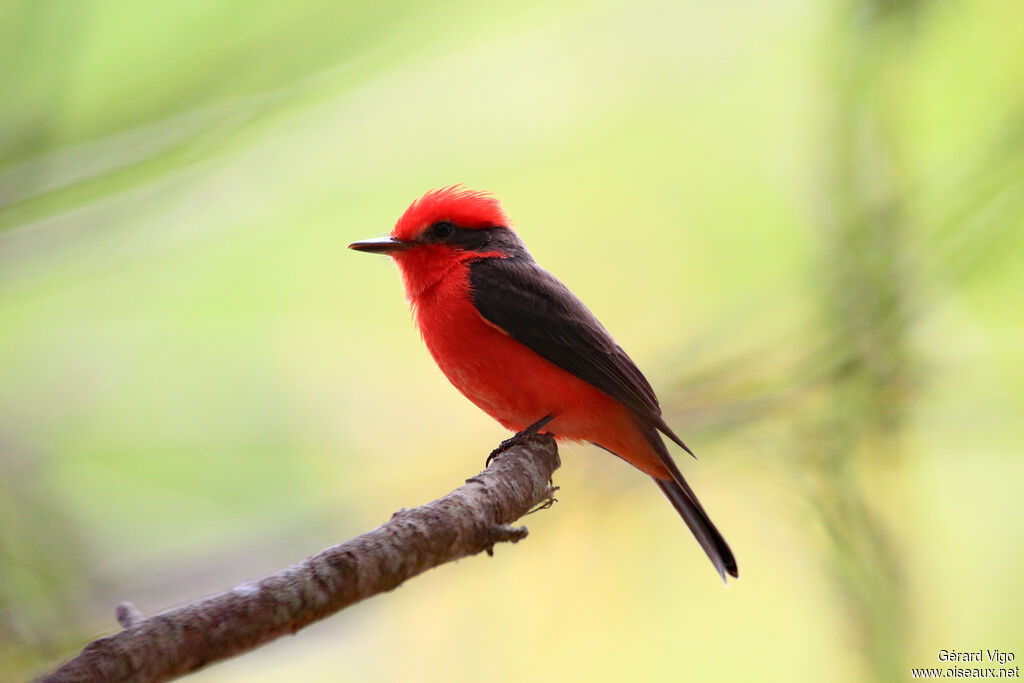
(468, 520)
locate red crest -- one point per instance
(463, 207)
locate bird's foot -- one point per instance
(548, 502)
(519, 438)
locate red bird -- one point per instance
(522, 347)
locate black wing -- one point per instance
(536, 309)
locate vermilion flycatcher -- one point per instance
(517, 343)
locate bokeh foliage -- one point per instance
(803, 220)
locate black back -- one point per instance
(535, 308)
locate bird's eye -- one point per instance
(442, 230)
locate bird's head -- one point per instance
(441, 229)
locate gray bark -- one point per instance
(467, 521)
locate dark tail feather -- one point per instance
(689, 508)
(663, 427)
(686, 504)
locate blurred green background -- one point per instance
(803, 220)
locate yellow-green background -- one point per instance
(802, 219)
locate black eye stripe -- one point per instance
(472, 240)
(498, 239)
(468, 239)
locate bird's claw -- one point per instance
(551, 500)
(518, 438)
(502, 447)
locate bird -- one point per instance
(524, 349)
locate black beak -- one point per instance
(380, 245)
